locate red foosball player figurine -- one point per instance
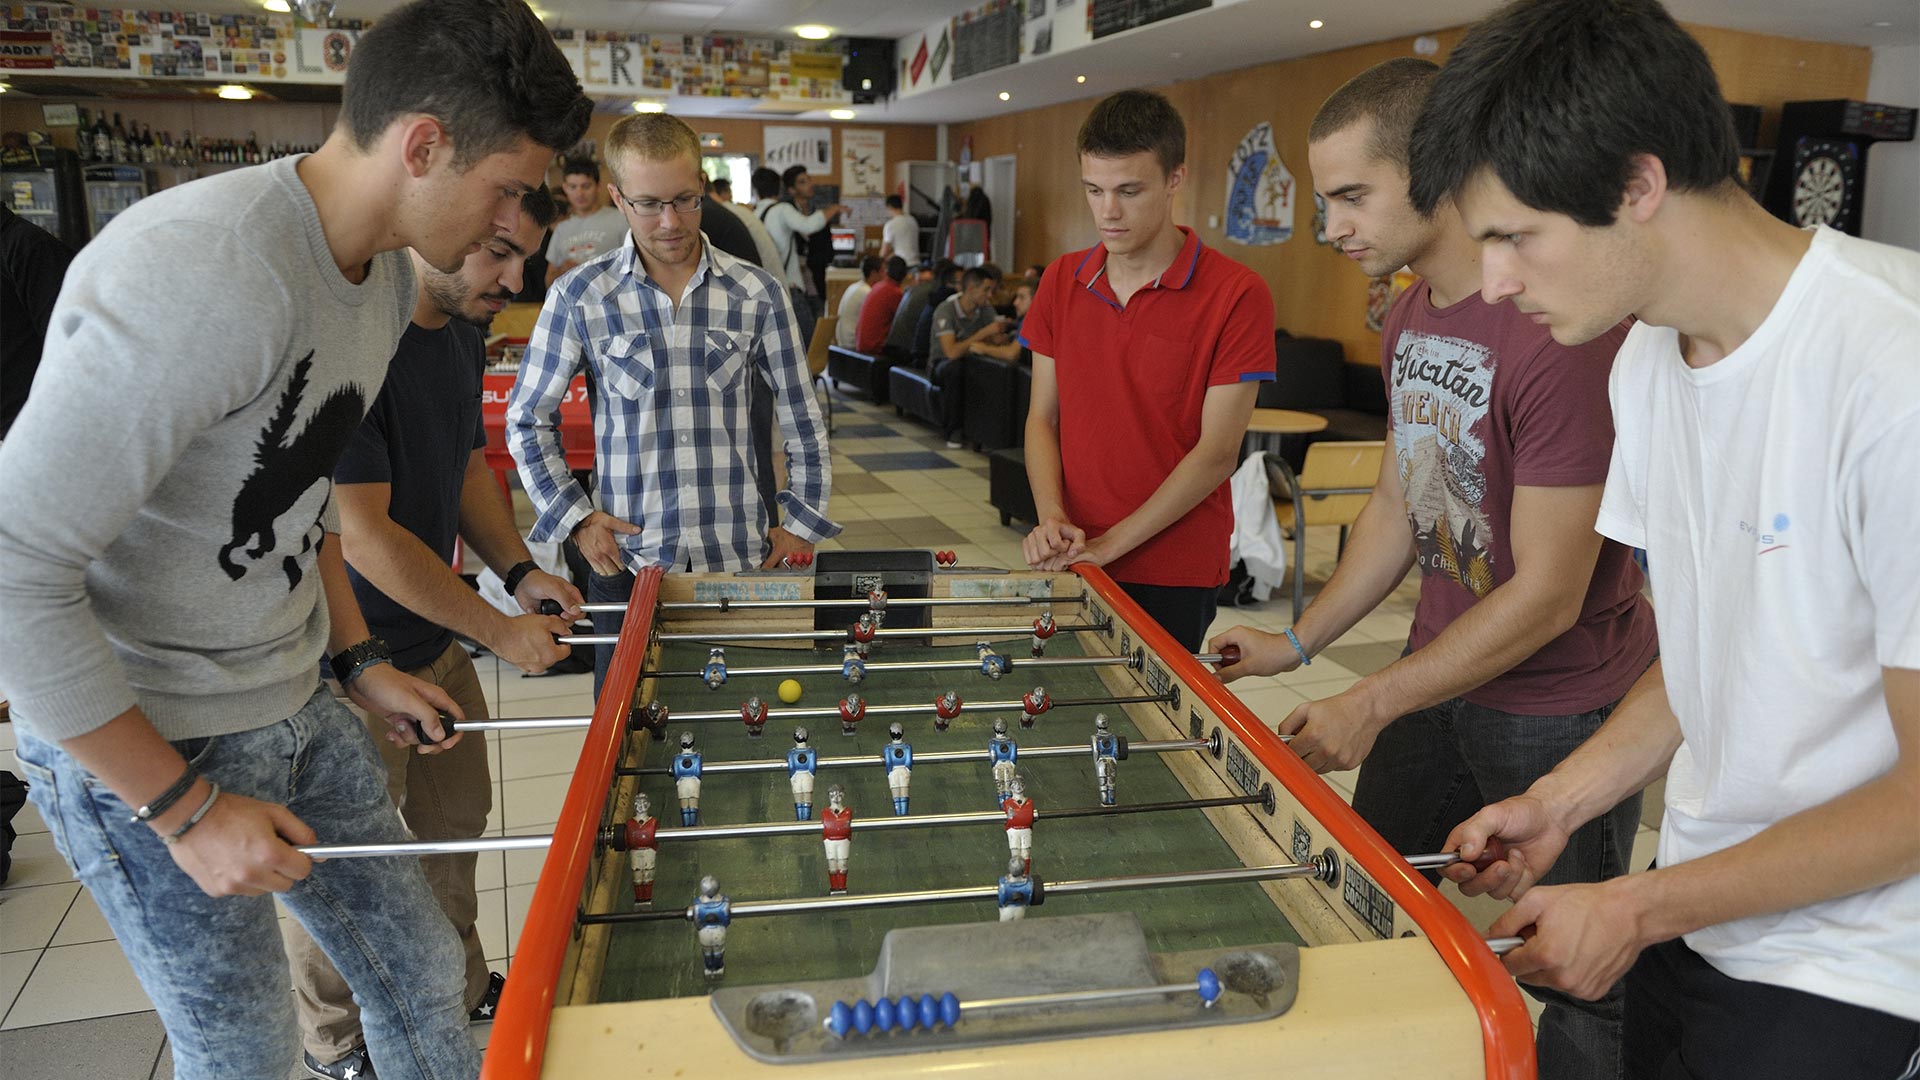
(753, 712)
(877, 607)
(863, 634)
(853, 708)
(836, 831)
(656, 717)
(1019, 811)
(1043, 628)
(643, 848)
(945, 708)
(1032, 704)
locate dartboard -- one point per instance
(1825, 176)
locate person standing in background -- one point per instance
(901, 234)
(593, 226)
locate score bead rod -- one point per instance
(1012, 663)
(733, 715)
(883, 632)
(941, 757)
(858, 602)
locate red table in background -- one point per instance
(576, 425)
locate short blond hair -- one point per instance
(651, 137)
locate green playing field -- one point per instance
(652, 960)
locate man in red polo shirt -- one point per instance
(876, 315)
(1146, 352)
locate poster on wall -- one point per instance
(863, 162)
(811, 147)
(1260, 192)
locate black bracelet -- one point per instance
(167, 798)
(212, 794)
(518, 574)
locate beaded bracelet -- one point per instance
(1305, 660)
(197, 815)
(166, 798)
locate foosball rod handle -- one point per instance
(928, 1013)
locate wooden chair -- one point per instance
(1331, 487)
(817, 363)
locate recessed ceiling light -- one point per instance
(1315, 24)
(841, 114)
(649, 106)
(4, 88)
(1176, 55)
(814, 32)
(1004, 96)
(278, 7)
(234, 92)
(1079, 78)
(1881, 25)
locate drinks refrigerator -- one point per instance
(43, 185)
(111, 189)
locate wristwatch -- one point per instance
(351, 661)
(517, 574)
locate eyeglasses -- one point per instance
(646, 208)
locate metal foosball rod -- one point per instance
(882, 633)
(1008, 663)
(612, 837)
(776, 715)
(1162, 746)
(729, 604)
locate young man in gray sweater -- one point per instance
(163, 630)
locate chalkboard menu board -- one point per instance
(987, 38)
(1113, 16)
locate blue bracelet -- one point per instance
(1305, 660)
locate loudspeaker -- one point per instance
(869, 66)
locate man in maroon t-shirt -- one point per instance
(1530, 626)
(1146, 352)
(876, 314)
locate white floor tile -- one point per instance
(28, 820)
(533, 800)
(542, 755)
(14, 969)
(523, 867)
(29, 917)
(492, 924)
(35, 862)
(489, 871)
(83, 923)
(519, 897)
(75, 982)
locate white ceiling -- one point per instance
(1206, 42)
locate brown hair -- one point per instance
(651, 137)
(1391, 95)
(1135, 122)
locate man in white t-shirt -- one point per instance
(790, 226)
(900, 235)
(1767, 414)
(594, 226)
(846, 327)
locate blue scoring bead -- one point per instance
(862, 1016)
(883, 1015)
(929, 1012)
(906, 1012)
(1209, 986)
(949, 1009)
(839, 1019)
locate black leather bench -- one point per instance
(860, 371)
(1312, 375)
(914, 393)
(1007, 487)
(997, 392)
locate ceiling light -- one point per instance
(1004, 96)
(278, 7)
(813, 32)
(841, 114)
(1315, 24)
(1079, 78)
(235, 92)
(4, 88)
(1881, 25)
(649, 106)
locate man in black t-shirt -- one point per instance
(412, 481)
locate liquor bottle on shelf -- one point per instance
(117, 140)
(102, 138)
(253, 150)
(83, 138)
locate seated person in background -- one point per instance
(592, 228)
(723, 190)
(1022, 300)
(847, 326)
(725, 230)
(876, 315)
(916, 302)
(944, 285)
(965, 324)
(1033, 273)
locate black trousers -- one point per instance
(1183, 611)
(1688, 1021)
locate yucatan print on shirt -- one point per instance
(1442, 390)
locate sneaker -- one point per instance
(954, 444)
(355, 1066)
(483, 1013)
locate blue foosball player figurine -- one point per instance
(1003, 753)
(1016, 891)
(801, 763)
(712, 914)
(992, 664)
(897, 758)
(686, 779)
(715, 673)
(1106, 758)
(853, 667)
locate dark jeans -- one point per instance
(601, 589)
(1433, 769)
(760, 420)
(951, 377)
(1688, 1021)
(1183, 611)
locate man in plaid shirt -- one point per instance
(671, 332)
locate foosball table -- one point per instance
(897, 817)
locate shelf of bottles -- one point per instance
(115, 143)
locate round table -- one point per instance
(1285, 422)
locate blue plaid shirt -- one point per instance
(673, 452)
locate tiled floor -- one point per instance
(69, 1005)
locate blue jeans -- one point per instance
(607, 589)
(214, 967)
(1433, 769)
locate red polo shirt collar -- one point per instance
(1092, 272)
